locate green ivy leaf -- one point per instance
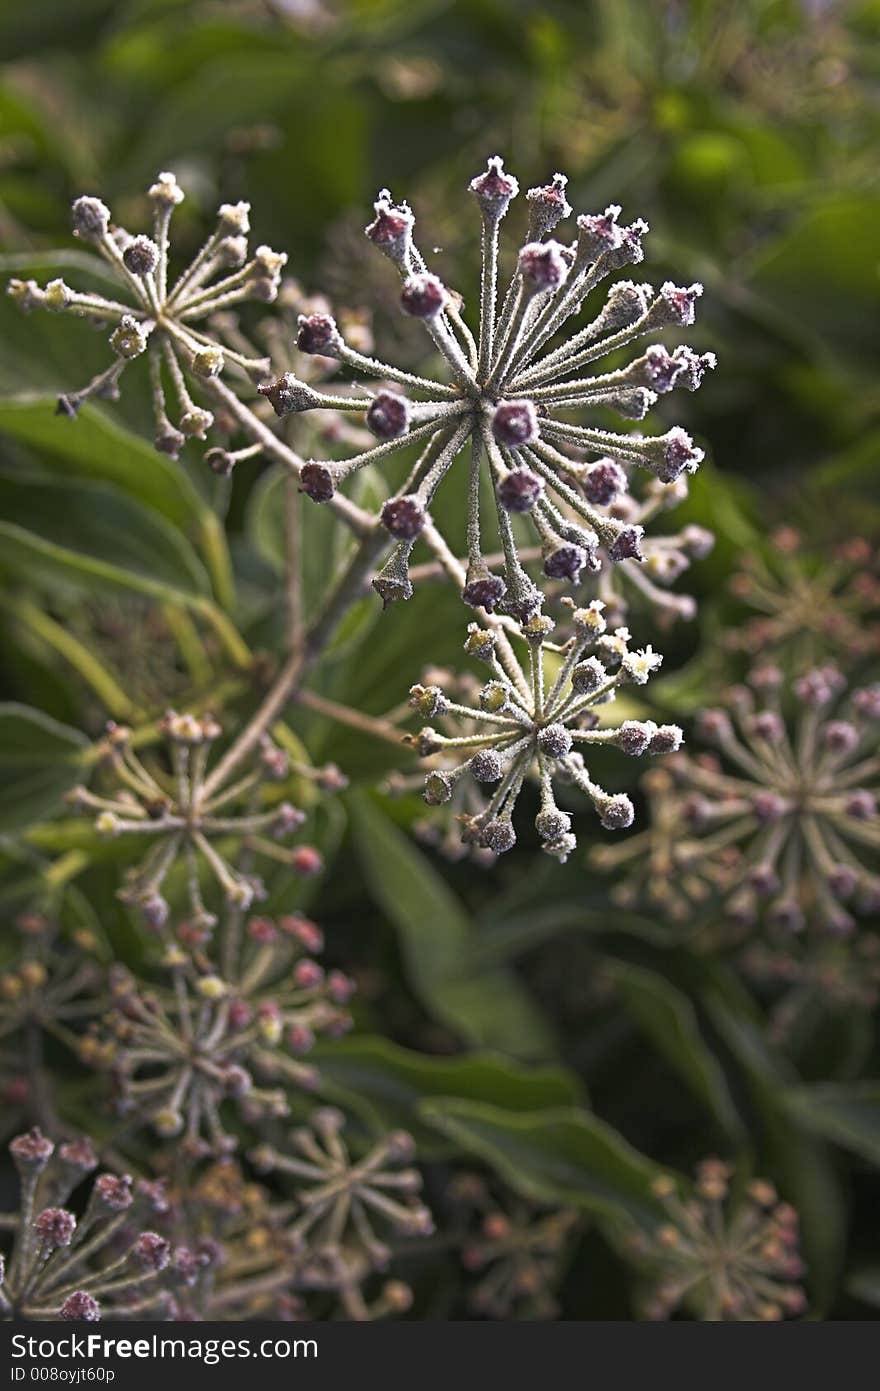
(564, 1157)
(848, 1113)
(40, 760)
(436, 937)
(387, 1083)
(670, 1022)
(97, 447)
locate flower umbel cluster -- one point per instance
(186, 813)
(179, 1054)
(100, 1265)
(808, 605)
(160, 318)
(723, 1258)
(340, 1199)
(516, 1251)
(507, 394)
(791, 829)
(46, 989)
(532, 719)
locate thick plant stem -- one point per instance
(315, 639)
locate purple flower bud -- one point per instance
(678, 303)
(31, 1151)
(80, 1307)
(764, 880)
(388, 415)
(114, 1191)
(519, 490)
(79, 1156)
(169, 441)
(625, 305)
(498, 835)
(667, 738)
(236, 1080)
(552, 824)
(494, 190)
(141, 256)
(306, 861)
(542, 266)
(657, 369)
(404, 517)
(694, 366)
(90, 218)
(555, 740)
(547, 206)
(769, 806)
(588, 676)
(186, 1264)
(515, 423)
(391, 230)
(487, 765)
(768, 725)
(627, 544)
(316, 481)
(317, 333)
(152, 1194)
(55, 1226)
(565, 562)
(629, 250)
(423, 296)
(842, 880)
(599, 232)
(151, 1251)
(604, 481)
(300, 1039)
(680, 455)
(867, 701)
(861, 805)
(840, 735)
(634, 737)
(308, 975)
(484, 591)
(617, 813)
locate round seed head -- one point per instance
(543, 266)
(555, 741)
(519, 490)
(423, 296)
(388, 416)
(617, 813)
(603, 482)
(80, 1307)
(141, 256)
(515, 423)
(316, 481)
(90, 218)
(404, 517)
(317, 333)
(498, 835)
(487, 765)
(494, 189)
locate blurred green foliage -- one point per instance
(747, 134)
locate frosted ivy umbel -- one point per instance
(193, 813)
(534, 721)
(513, 395)
(164, 317)
(783, 825)
(229, 1028)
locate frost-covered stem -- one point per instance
(354, 517)
(314, 641)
